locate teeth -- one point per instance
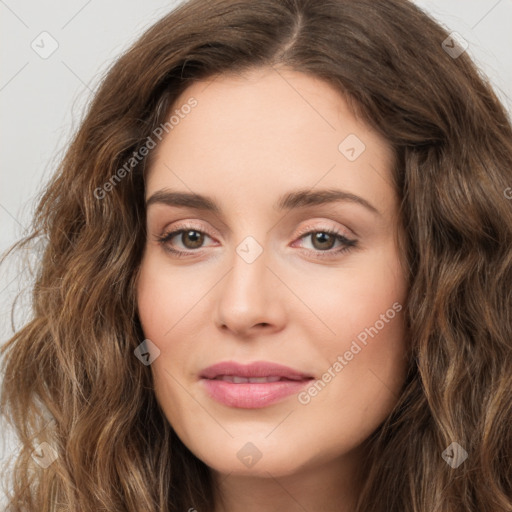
(264, 379)
(243, 380)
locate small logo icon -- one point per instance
(351, 147)
(44, 45)
(44, 455)
(455, 455)
(147, 352)
(455, 45)
(249, 455)
(249, 249)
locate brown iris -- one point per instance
(196, 238)
(325, 240)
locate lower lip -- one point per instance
(252, 396)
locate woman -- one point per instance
(276, 274)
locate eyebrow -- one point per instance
(301, 198)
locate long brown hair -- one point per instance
(71, 378)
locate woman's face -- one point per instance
(261, 279)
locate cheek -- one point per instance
(163, 299)
(164, 295)
(170, 301)
(351, 299)
(363, 307)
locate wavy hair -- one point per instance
(70, 375)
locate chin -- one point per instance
(250, 456)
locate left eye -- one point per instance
(323, 240)
(196, 238)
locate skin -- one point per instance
(250, 139)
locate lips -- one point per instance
(252, 386)
(255, 370)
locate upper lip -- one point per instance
(255, 369)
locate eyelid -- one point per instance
(307, 229)
(190, 225)
(316, 227)
(348, 241)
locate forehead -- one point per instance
(269, 130)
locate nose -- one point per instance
(250, 298)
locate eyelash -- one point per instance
(348, 243)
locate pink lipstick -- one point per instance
(252, 386)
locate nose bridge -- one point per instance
(251, 247)
(249, 262)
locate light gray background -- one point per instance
(42, 100)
